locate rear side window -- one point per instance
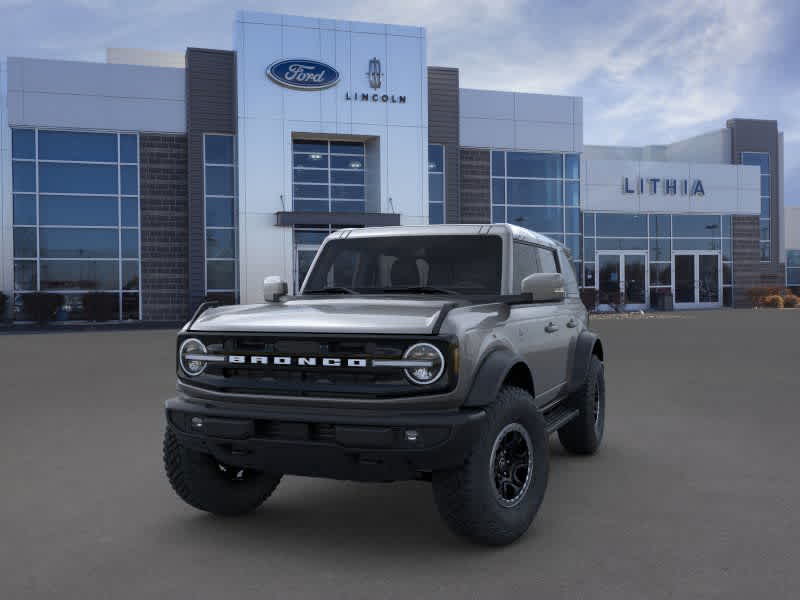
(525, 263)
(570, 282)
(547, 260)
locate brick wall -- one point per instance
(746, 254)
(475, 199)
(165, 231)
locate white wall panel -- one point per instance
(540, 135)
(486, 104)
(486, 133)
(6, 204)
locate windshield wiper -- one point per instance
(332, 290)
(420, 289)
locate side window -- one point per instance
(525, 263)
(570, 281)
(547, 260)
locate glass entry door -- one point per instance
(697, 279)
(622, 280)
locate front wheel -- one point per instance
(493, 497)
(206, 484)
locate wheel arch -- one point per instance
(500, 367)
(588, 345)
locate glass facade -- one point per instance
(76, 220)
(328, 176)
(793, 268)
(221, 223)
(435, 184)
(540, 191)
(761, 160)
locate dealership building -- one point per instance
(166, 179)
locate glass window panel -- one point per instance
(77, 145)
(588, 249)
(573, 220)
(793, 277)
(547, 260)
(220, 181)
(77, 179)
(765, 185)
(588, 224)
(128, 148)
(573, 242)
(435, 158)
(793, 258)
(759, 159)
(312, 175)
(23, 143)
(77, 210)
(696, 225)
(660, 249)
(436, 213)
(342, 162)
(572, 190)
(498, 191)
(621, 244)
(727, 249)
(626, 225)
(660, 226)
(765, 208)
(727, 226)
(23, 176)
(727, 297)
(219, 212)
(219, 149)
(129, 183)
(130, 307)
(588, 274)
(79, 275)
(310, 191)
(56, 242)
(130, 274)
(315, 160)
(25, 242)
(695, 244)
(660, 274)
(347, 148)
(347, 192)
(221, 275)
(527, 191)
(25, 275)
(498, 163)
(130, 212)
(436, 187)
(573, 166)
(763, 229)
(348, 206)
(541, 219)
(24, 209)
(558, 237)
(314, 238)
(220, 243)
(498, 214)
(357, 177)
(727, 273)
(310, 146)
(766, 251)
(130, 243)
(532, 164)
(311, 205)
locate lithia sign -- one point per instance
(667, 186)
(306, 74)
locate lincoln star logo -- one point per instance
(374, 74)
(303, 74)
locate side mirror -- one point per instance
(274, 288)
(544, 287)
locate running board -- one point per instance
(559, 417)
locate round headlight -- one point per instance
(431, 363)
(190, 357)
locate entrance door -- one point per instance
(697, 279)
(622, 280)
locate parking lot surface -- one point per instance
(695, 493)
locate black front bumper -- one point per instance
(376, 445)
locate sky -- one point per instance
(649, 72)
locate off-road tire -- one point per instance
(584, 433)
(467, 496)
(200, 481)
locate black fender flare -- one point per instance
(584, 349)
(490, 376)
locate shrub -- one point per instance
(790, 300)
(3, 306)
(99, 306)
(773, 301)
(41, 306)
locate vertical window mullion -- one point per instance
(119, 231)
(36, 188)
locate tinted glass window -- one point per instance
(568, 272)
(436, 182)
(572, 222)
(695, 244)
(219, 149)
(316, 161)
(621, 244)
(130, 243)
(759, 159)
(436, 213)
(347, 192)
(573, 166)
(77, 210)
(529, 164)
(24, 209)
(77, 179)
(78, 243)
(660, 226)
(24, 275)
(25, 242)
(347, 148)
(588, 224)
(526, 262)
(357, 177)
(79, 275)
(129, 180)
(220, 243)
(573, 242)
(727, 225)
(498, 214)
(498, 163)
(588, 249)
(347, 206)
(219, 181)
(130, 275)
(23, 143)
(696, 225)
(221, 274)
(23, 176)
(219, 212)
(435, 158)
(572, 189)
(498, 191)
(468, 264)
(128, 149)
(531, 191)
(623, 225)
(130, 212)
(81, 146)
(345, 162)
(547, 260)
(541, 219)
(793, 258)
(660, 249)
(310, 146)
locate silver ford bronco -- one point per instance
(444, 353)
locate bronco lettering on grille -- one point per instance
(300, 361)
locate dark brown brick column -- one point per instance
(165, 227)
(475, 198)
(746, 255)
(443, 128)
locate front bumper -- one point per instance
(363, 445)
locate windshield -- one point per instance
(461, 264)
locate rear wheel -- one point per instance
(206, 484)
(493, 498)
(584, 433)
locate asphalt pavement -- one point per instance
(694, 494)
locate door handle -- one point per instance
(572, 323)
(551, 327)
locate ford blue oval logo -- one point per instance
(303, 74)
